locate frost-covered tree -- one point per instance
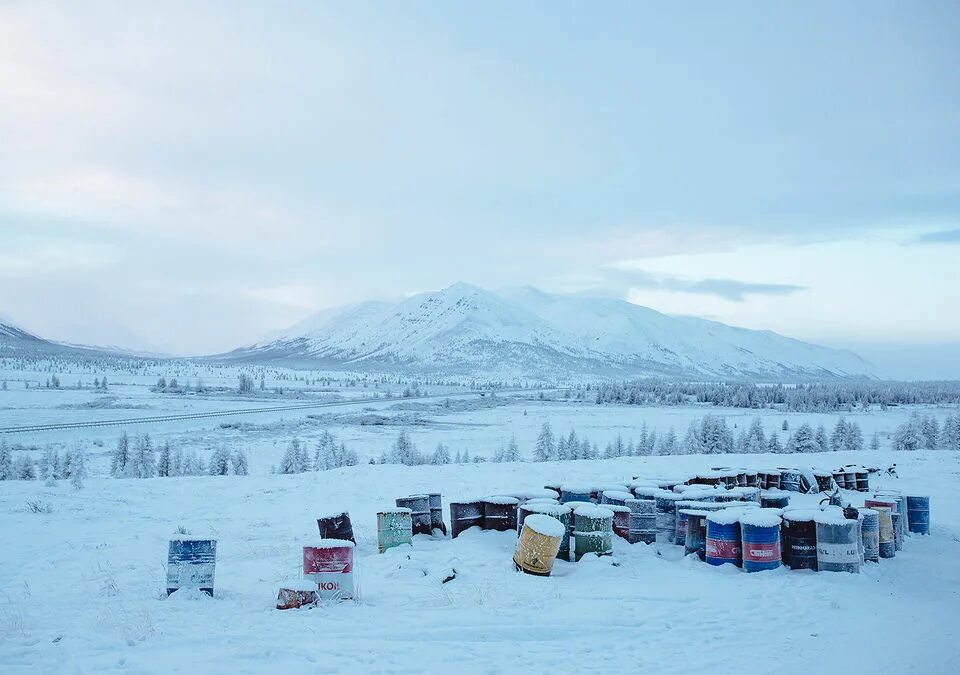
(691, 441)
(823, 445)
(121, 455)
(219, 464)
(846, 436)
(441, 455)
(78, 467)
(950, 433)
(466, 456)
(289, 463)
(668, 443)
(543, 451)
(142, 462)
(165, 462)
(909, 435)
(239, 463)
(573, 446)
(773, 444)
(6, 461)
(802, 440)
(245, 384)
(24, 468)
(192, 465)
(404, 451)
(512, 451)
(875, 441)
(784, 426)
(755, 440)
(49, 465)
(176, 464)
(651, 447)
(930, 431)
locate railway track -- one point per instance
(31, 428)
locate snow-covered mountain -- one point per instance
(527, 333)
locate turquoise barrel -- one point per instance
(838, 542)
(760, 539)
(394, 528)
(918, 514)
(592, 531)
(695, 538)
(667, 516)
(723, 543)
(618, 497)
(575, 493)
(870, 534)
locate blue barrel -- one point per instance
(191, 563)
(723, 540)
(870, 535)
(790, 480)
(760, 539)
(570, 493)
(918, 514)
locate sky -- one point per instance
(188, 177)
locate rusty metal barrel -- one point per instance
(336, 526)
(464, 515)
(419, 506)
(500, 513)
(539, 544)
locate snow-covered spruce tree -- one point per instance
(65, 465)
(239, 463)
(165, 462)
(773, 444)
(785, 426)
(908, 436)
(441, 455)
(192, 465)
(543, 451)
(930, 432)
(121, 455)
(756, 439)
(823, 444)
(176, 463)
(404, 451)
(692, 444)
(142, 462)
(875, 441)
(24, 468)
(512, 453)
(651, 447)
(78, 467)
(46, 466)
(802, 440)
(288, 463)
(668, 443)
(324, 457)
(6, 461)
(950, 434)
(574, 447)
(219, 464)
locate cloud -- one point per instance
(939, 237)
(729, 289)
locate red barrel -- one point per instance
(329, 564)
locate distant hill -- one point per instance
(527, 333)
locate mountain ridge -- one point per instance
(529, 333)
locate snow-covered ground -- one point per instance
(81, 586)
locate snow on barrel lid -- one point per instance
(397, 509)
(191, 537)
(641, 482)
(549, 509)
(545, 525)
(575, 505)
(333, 543)
(645, 491)
(616, 508)
(576, 487)
(833, 516)
(667, 494)
(611, 486)
(801, 514)
(726, 516)
(761, 517)
(593, 511)
(695, 512)
(501, 500)
(542, 500)
(617, 494)
(543, 493)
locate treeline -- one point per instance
(52, 466)
(814, 397)
(923, 432)
(137, 458)
(328, 454)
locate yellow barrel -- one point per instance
(539, 544)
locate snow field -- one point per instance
(81, 588)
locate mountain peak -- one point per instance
(528, 333)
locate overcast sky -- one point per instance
(189, 177)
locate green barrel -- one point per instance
(394, 528)
(592, 531)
